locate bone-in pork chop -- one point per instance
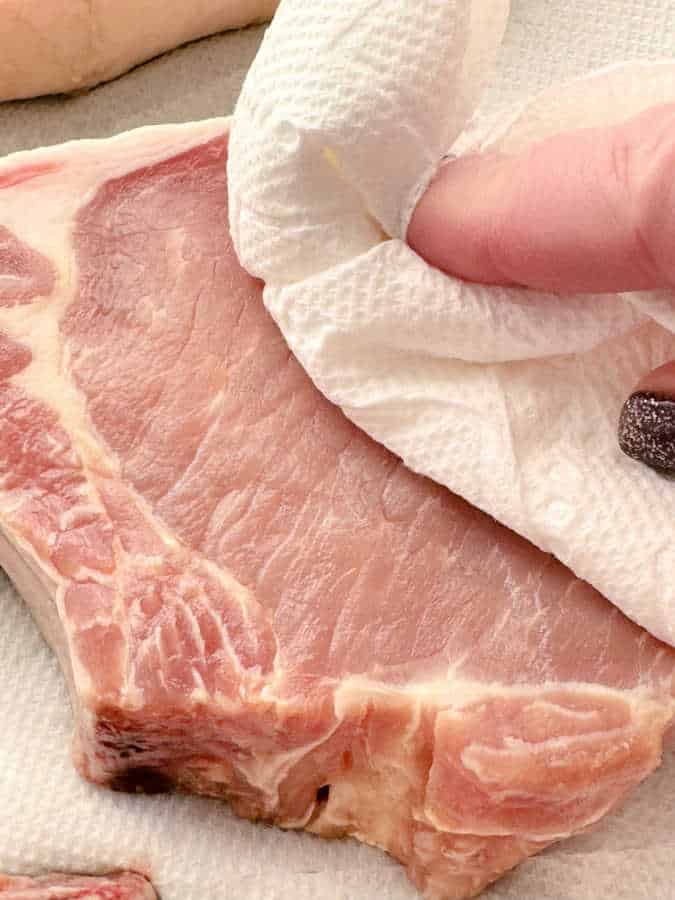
(249, 597)
(51, 46)
(126, 886)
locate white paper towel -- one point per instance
(509, 397)
(195, 849)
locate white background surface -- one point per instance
(194, 849)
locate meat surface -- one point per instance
(51, 47)
(125, 886)
(249, 597)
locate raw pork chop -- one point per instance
(51, 46)
(76, 887)
(249, 597)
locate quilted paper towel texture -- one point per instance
(509, 397)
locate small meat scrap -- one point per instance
(122, 886)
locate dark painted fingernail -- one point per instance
(647, 430)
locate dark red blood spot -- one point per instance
(321, 799)
(142, 780)
(26, 173)
(323, 795)
(24, 273)
(13, 357)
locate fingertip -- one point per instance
(587, 211)
(660, 381)
(453, 223)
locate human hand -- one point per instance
(587, 211)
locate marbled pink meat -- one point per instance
(249, 597)
(125, 886)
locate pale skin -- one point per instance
(590, 211)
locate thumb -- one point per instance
(587, 211)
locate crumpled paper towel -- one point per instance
(195, 849)
(509, 397)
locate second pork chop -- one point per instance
(249, 597)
